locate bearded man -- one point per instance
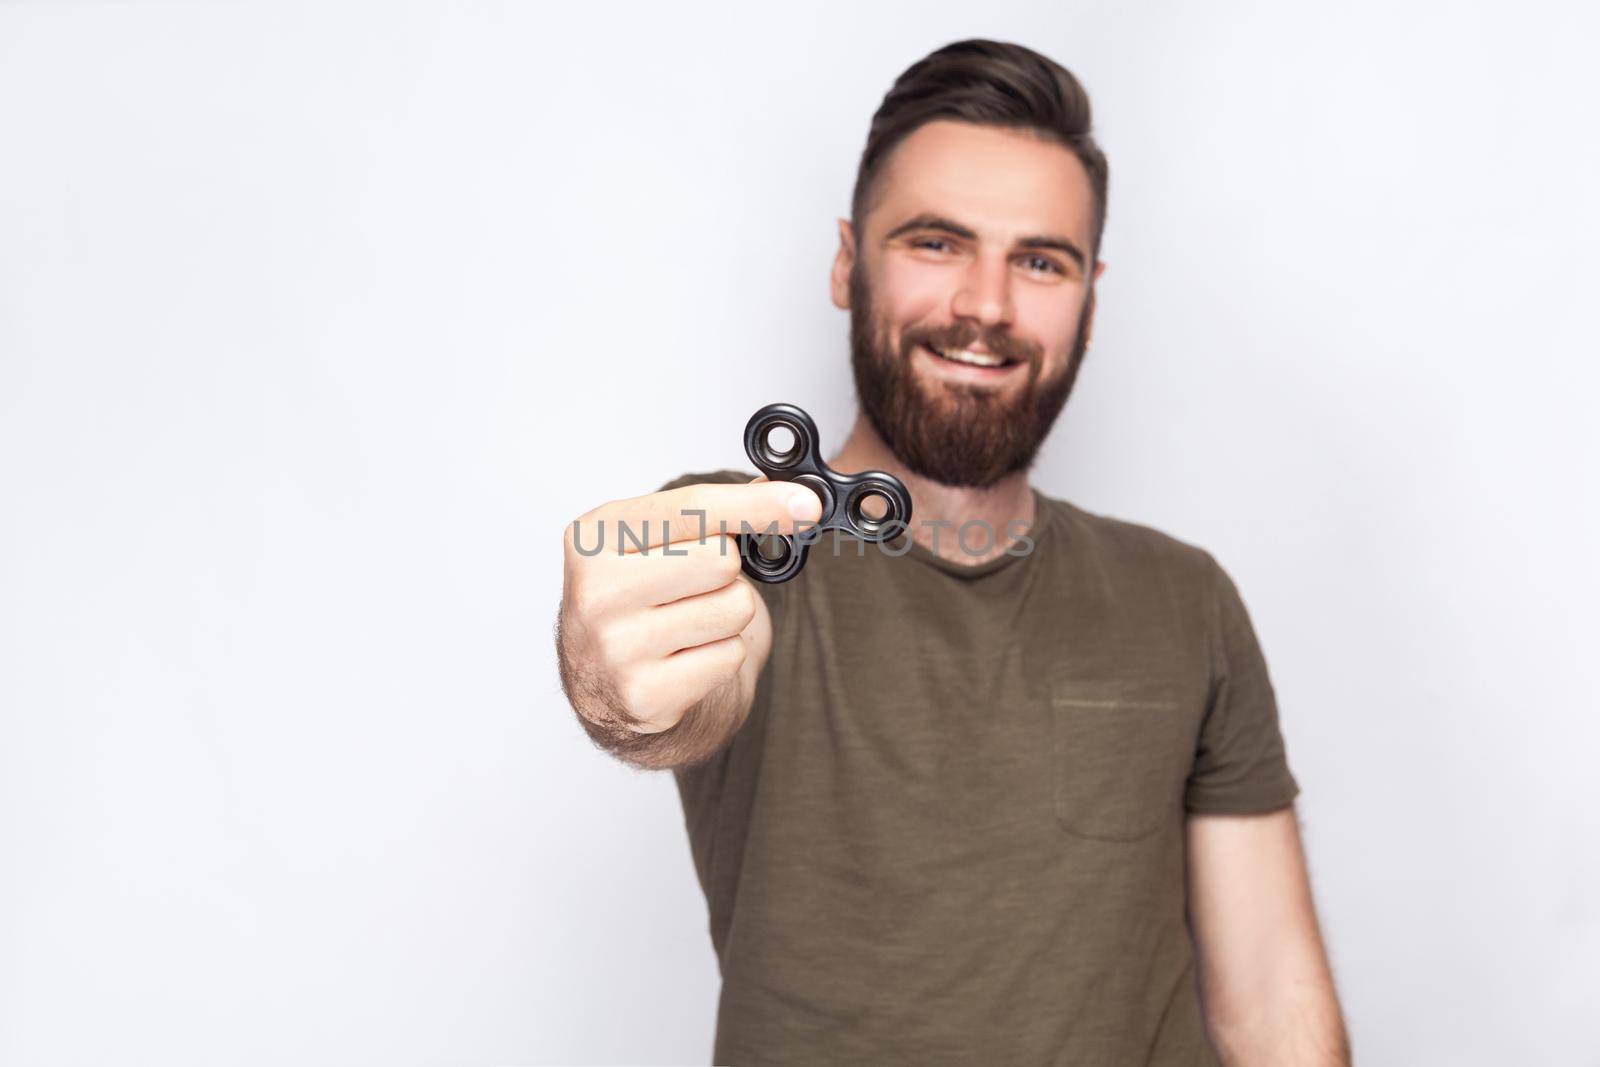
(1013, 796)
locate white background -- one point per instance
(318, 322)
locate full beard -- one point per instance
(948, 432)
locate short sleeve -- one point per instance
(1240, 765)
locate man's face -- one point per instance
(977, 239)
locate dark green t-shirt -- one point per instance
(951, 830)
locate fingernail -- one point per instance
(802, 502)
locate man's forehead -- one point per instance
(1000, 182)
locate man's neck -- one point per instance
(1007, 506)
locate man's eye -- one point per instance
(1042, 263)
(930, 242)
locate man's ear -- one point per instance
(843, 262)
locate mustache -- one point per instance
(960, 335)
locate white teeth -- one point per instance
(966, 355)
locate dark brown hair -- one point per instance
(990, 83)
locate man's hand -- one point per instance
(660, 637)
(1265, 983)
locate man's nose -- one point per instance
(985, 292)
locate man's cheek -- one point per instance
(1051, 326)
(912, 298)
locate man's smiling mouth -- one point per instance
(972, 358)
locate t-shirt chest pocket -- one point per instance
(1121, 751)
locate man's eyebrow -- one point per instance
(929, 221)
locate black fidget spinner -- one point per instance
(779, 557)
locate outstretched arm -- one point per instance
(1265, 984)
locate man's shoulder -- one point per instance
(1133, 542)
(720, 477)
